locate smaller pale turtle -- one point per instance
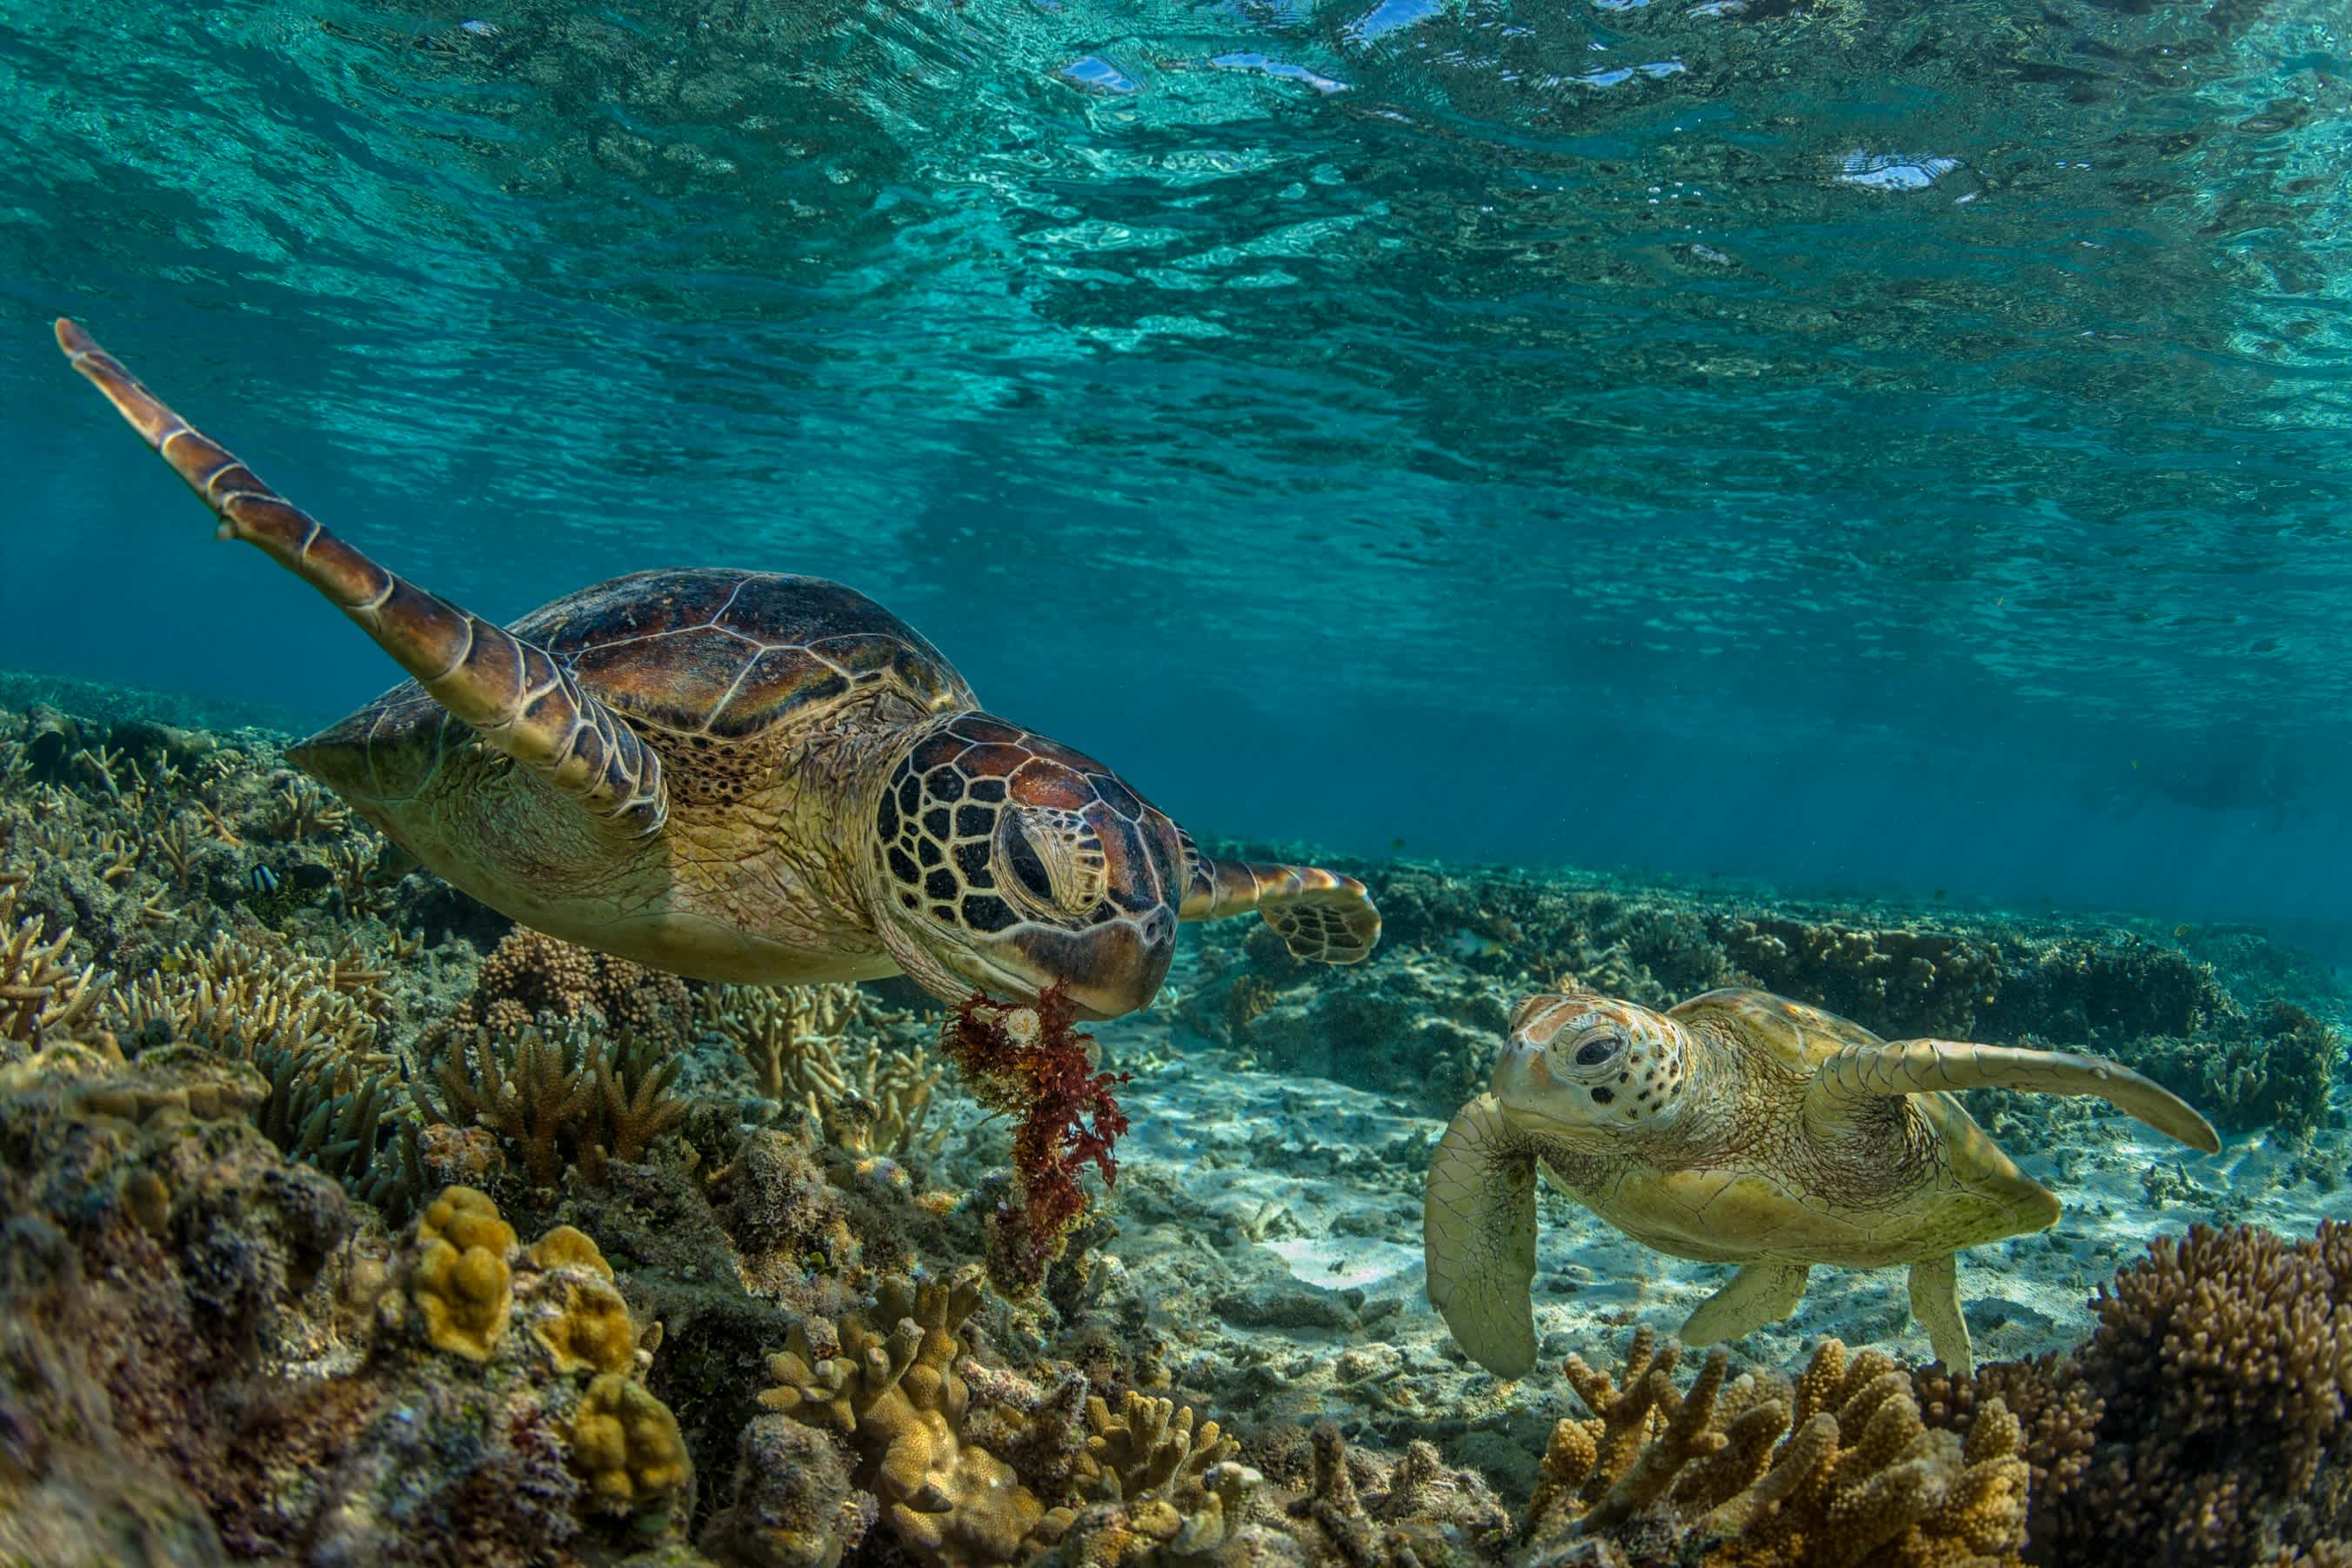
(1740, 1127)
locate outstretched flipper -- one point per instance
(512, 693)
(1929, 1066)
(1322, 916)
(1478, 1238)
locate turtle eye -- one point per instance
(1599, 1048)
(1056, 868)
(1027, 865)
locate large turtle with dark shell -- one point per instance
(1742, 1128)
(745, 775)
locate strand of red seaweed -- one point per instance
(1031, 1062)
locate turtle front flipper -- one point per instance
(1322, 916)
(1478, 1238)
(512, 693)
(1929, 1066)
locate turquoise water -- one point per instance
(1857, 444)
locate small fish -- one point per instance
(264, 880)
(480, 29)
(1469, 944)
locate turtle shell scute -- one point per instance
(733, 653)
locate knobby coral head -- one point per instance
(1033, 1063)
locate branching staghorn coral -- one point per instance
(559, 1101)
(1373, 1511)
(302, 810)
(1161, 1494)
(249, 990)
(802, 1045)
(41, 994)
(1835, 1470)
(328, 1110)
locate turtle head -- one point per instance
(1580, 1064)
(1006, 863)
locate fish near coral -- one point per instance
(1741, 1127)
(745, 775)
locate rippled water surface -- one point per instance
(1852, 440)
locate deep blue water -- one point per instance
(1865, 445)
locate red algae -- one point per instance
(1033, 1063)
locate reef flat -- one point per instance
(347, 1223)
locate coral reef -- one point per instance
(1031, 1062)
(264, 1289)
(534, 980)
(459, 1279)
(625, 1445)
(573, 1102)
(40, 996)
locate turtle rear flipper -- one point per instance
(1321, 915)
(1930, 1066)
(1762, 1292)
(511, 692)
(1478, 1235)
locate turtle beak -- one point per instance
(1114, 969)
(1521, 1074)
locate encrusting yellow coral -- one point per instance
(895, 1395)
(461, 1282)
(593, 1333)
(568, 1247)
(626, 1444)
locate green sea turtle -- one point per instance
(1740, 1127)
(745, 775)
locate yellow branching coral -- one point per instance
(250, 991)
(1836, 1470)
(895, 1394)
(41, 995)
(626, 1444)
(461, 1282)
(802, 1045)
(1148, 1449)
(1165, 1495)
